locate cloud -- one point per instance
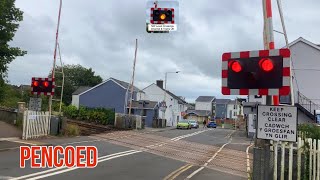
(101, 35)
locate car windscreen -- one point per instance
(192, 121)
(183, 121)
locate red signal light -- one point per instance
(235, 66)
(45, 83)
(35, 84)
(266, 64)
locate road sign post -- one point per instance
(35, 104)
(278, 123)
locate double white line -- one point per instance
(60, 170)
(188, 135)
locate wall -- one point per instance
(306, 57)
(155, 93)
(235, 112)
(108, 95)
(8, 116)
(221, 110)
(75, 100)
(204, 106)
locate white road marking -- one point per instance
(6, 177)
(55, 171)
(64, 167)
(248, 161)
(71, 169)
(215, 154)
(17, 140)
(195, 172)
(187, 135)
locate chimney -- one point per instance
(160, 83)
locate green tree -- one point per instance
(75, 76)
(10, 16)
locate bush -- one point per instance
(310, 130)
(70, 112)
(71, 130)
(56, 106)
(95, 115)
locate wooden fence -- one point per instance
(35, 124)
(306, 148)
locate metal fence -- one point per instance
(307, 104)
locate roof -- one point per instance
(148, 104)
(250, 104)
(300, 39)
(122, 84)
(232, 102)
(170, 93)
(199, 112)
(190, 106)
(176, 97)
(125, 84)
(80, 90)
(205, 99)
(222, 101)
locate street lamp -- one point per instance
(165, 89)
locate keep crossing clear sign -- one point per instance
(278, 123)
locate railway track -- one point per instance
(87, 129)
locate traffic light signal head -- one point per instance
(265, 72)
(162, 16)
(42, 86)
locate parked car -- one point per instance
(194, 124)
(184, 124)
(212, 125)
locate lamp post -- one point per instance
(165, 89)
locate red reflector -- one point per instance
(266, 64)
(45, 83)
(35, 83)
(236, 66)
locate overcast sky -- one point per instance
(101, 35)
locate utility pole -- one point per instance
(55, 55)
(132, 81)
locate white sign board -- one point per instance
(278, 123)
(35, 104)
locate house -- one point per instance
(221, 108)
(205, 103)
(110, 94)
(198, 115)
(234, 109)
(204, 109)
(175, 105)
(149, 110)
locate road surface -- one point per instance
(147, 154)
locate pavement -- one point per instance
(8, 130)
(145, 154)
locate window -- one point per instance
(234, 113)
(234, 106)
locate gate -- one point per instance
(35, 124)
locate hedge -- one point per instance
(95, 115)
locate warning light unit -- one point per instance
(162, 19)
(42, 86)
(263, 72)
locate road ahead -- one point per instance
(147, 154)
